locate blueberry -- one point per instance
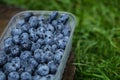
(48, 56)
(38, 53)
(33, 21)
(50, 28)
(49, 40)
(54, 47)
(36, 77)
(15, 50)
(9, 57)
(59, 27)
(63, 18)
(16, 39)
(47, 48)
(25, 55)
(20, 70)
(48, 33)
(41, 18)
(13, 76)
(62, 43)
(43, 69)
(16, 62)
(9, 67)
(25, 27)
(54, 23)
(27, 15)
(40, 41)
(66, 31)
(2, 76)
(20, 22)
(53, 67)
(35, 46)
(58, 56)
(59, 36)
(26, 76)
(34, 37)
(16, 31)
(53, 16)
(3, 58)
(8, 42)
(40, 32)
(31, 30)
(24, 36)
(50, 77)
(33, 62)
(26, 44)
(43, 78)
(29, 68)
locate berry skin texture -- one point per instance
(53, 67)
(35, 46)
(27, 15)
(9, 67)
(49, 56)
(15, 50)
(2, 76)
(20, 22)
(43, 70)
(25, 55)
(16, 62)
(43, 78)
(8, 42)
(50, 77)
(13, 76)
(58, 56)
(16, 31)
(3, 58)
(36, 77)
(26, 76)
(33, 62)
(33, 21)
(16, 39)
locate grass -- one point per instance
(96, 40)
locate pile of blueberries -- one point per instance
(35, 47)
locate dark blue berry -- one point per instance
(2, 76)
(15, 50)
(53, 67)
(16, 62)
(63, 18)
(13, 76)
(43, 69)
(50, 77)
(25, 55)
(26, 76)
(53, 16)
(16, 39)
(58, 56)
(16, 31)
(38, 54)
(36, 77)
(27, 15)
(35, 46)
(33, 21)
(20, 22)
(49, 56)
(9, 67)
(3, 58)
(33, 62)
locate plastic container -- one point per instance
(72, 22)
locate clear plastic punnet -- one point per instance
(71, 22)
